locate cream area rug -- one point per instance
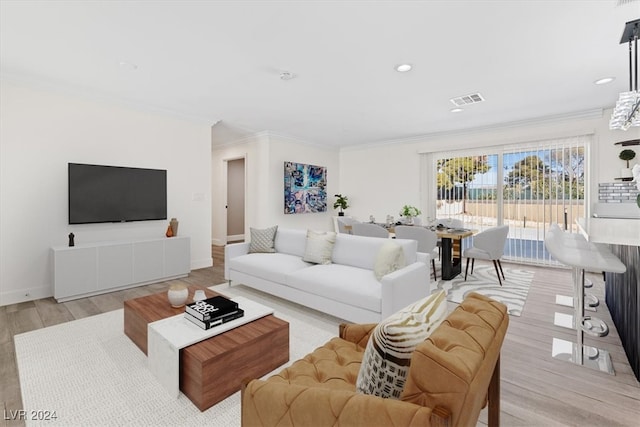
(513, 292)
(91, 374)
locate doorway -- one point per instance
(235, 199)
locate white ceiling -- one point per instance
(221, 61)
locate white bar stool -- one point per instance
(581, 255)
(591, 301)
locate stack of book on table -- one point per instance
(212, 312)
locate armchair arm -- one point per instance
(357, 333)
(270, 403)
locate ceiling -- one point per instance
(220, 62)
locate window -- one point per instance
(527, 186)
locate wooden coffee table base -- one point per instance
(212, 370)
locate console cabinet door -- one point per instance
(177, 256)
(148, 260)
(74, 271)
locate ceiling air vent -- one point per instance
(472, 98)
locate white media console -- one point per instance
(92, 269)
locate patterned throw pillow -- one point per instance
(263, 241)
(386, 360)
(390, 258)
(319, 247)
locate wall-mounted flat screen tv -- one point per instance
(116, 194)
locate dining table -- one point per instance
(450, 247)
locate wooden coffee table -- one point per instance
(213, 369)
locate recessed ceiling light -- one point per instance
(604, 80)
(403, 68)
(128, 65)
(456, 110)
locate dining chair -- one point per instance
(427, 241)
(370, 230)
(488, 245)
(342, 222)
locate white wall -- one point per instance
(265, 156)
(41, 131)
(380, 179)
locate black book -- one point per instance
(211, 308)
(208, 324)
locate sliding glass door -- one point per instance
(528, 187)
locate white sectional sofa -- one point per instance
(347, 288)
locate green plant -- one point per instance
(409, 211)
(341, 202)
(627, 155)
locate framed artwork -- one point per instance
(305, 188)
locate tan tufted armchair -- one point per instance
(452, 376)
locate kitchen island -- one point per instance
(621, 290)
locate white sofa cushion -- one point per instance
(389, 259)
(361, 251)
(291, 241)
(274, 267)
(319, 247)
(347, 284)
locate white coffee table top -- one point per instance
(166, 337)
(180, 332)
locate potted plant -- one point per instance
(409, 212)
(626, 155)
(342, 203)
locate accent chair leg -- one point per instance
(494, 396)
(467, 269)
(495, 265)
(473, 264)
(433, 264)
(500, 265)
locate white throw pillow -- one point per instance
(319, 247)
(263, 241)
(387, 357)
(390, 258)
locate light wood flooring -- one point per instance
(537, 390)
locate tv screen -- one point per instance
(116, 194)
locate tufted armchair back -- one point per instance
(452, 375)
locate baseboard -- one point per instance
(232, 238)
(22, 295)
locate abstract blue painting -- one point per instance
(305, 188)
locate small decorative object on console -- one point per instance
(174, 226)
(169, 232)
(177, 295)
(71, 239)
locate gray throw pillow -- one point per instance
(263, 241)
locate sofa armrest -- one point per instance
(357, 333)
(231, 251)
(403, 287)
(423, 257)
(268, 403)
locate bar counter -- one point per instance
(621, 290)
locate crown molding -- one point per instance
(93, 95)
(586, 114)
